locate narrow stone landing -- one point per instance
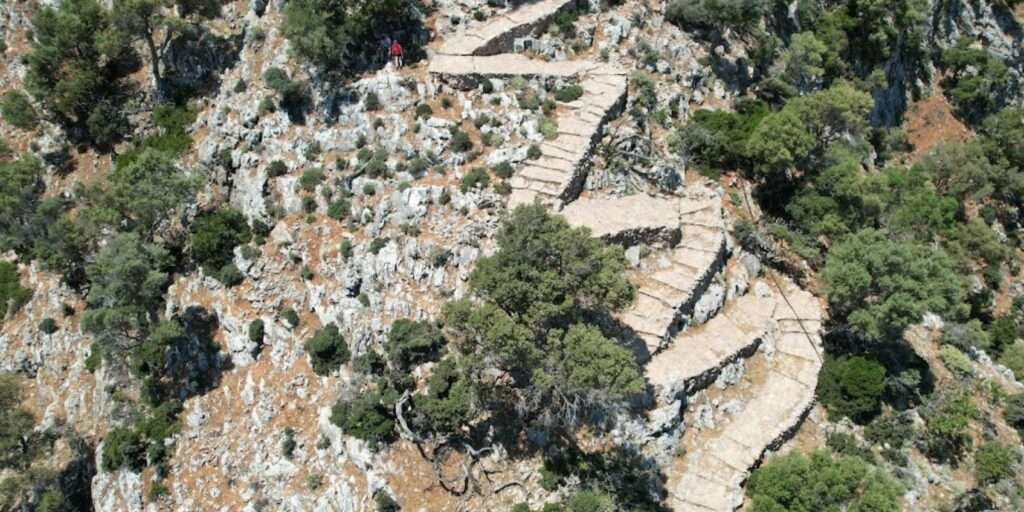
(710, 478)
(666, 297)
(496, 35)
(628, 220)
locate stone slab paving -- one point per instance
(666, 296)
(714, 474)
(628, 219)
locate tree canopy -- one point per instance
(77, 68)
(881, 285)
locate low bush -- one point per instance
(47, 326)
(1013, 358)
(412, 343)
(12, 294)
(16, 109)
(821, 482)
(311, 178)
(327, 350)
(947, 415)
(476, 178)
(569, 93)
(368, 416)
(460, 142)
(503, 170)
(1013, 412)
(277, 168)
(230, 276)
(377, 244)
(994, 461)
(215, 235)
(290, 317)
(423, 110)
(852, 386)
(256, 331)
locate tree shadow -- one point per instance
(909, 378)
(201, 359)
(195, 61)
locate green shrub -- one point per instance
(1002, 332)
(569, 93)
(891, 429)
(16, 109)
(277, 168)
(368, 416)
(845, 444)
(377, 244)
(47, 326)
(12, 295)
(975, 79)
(256, 331)
(460, 142)
(947, 415)
(345, 248)
(852, 386)
(966, 336)
(291, 318)
(821, 482)
(215, 236)
(476, 178)
(423, 110)
(591, 501)
(123, 447)
(1013, 412)
(385, 503)
(1013, 358)
(503, 170)
(291, 93)
(230, 276)
(549, 128)
(311, 178)
(339, 209)
(994, 461)
(412, 343)
(288, 445)
(95, 358)
(369, 189)
(737, 14)
(956, 361)
(327, 350)
(534, 152)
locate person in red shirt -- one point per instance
(396, 53)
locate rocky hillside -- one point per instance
(571, 255)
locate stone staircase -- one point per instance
(779, 329)
(776, 325)
(557, 177)
(666, 297)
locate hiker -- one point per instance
(396, 53)
(384, 50)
